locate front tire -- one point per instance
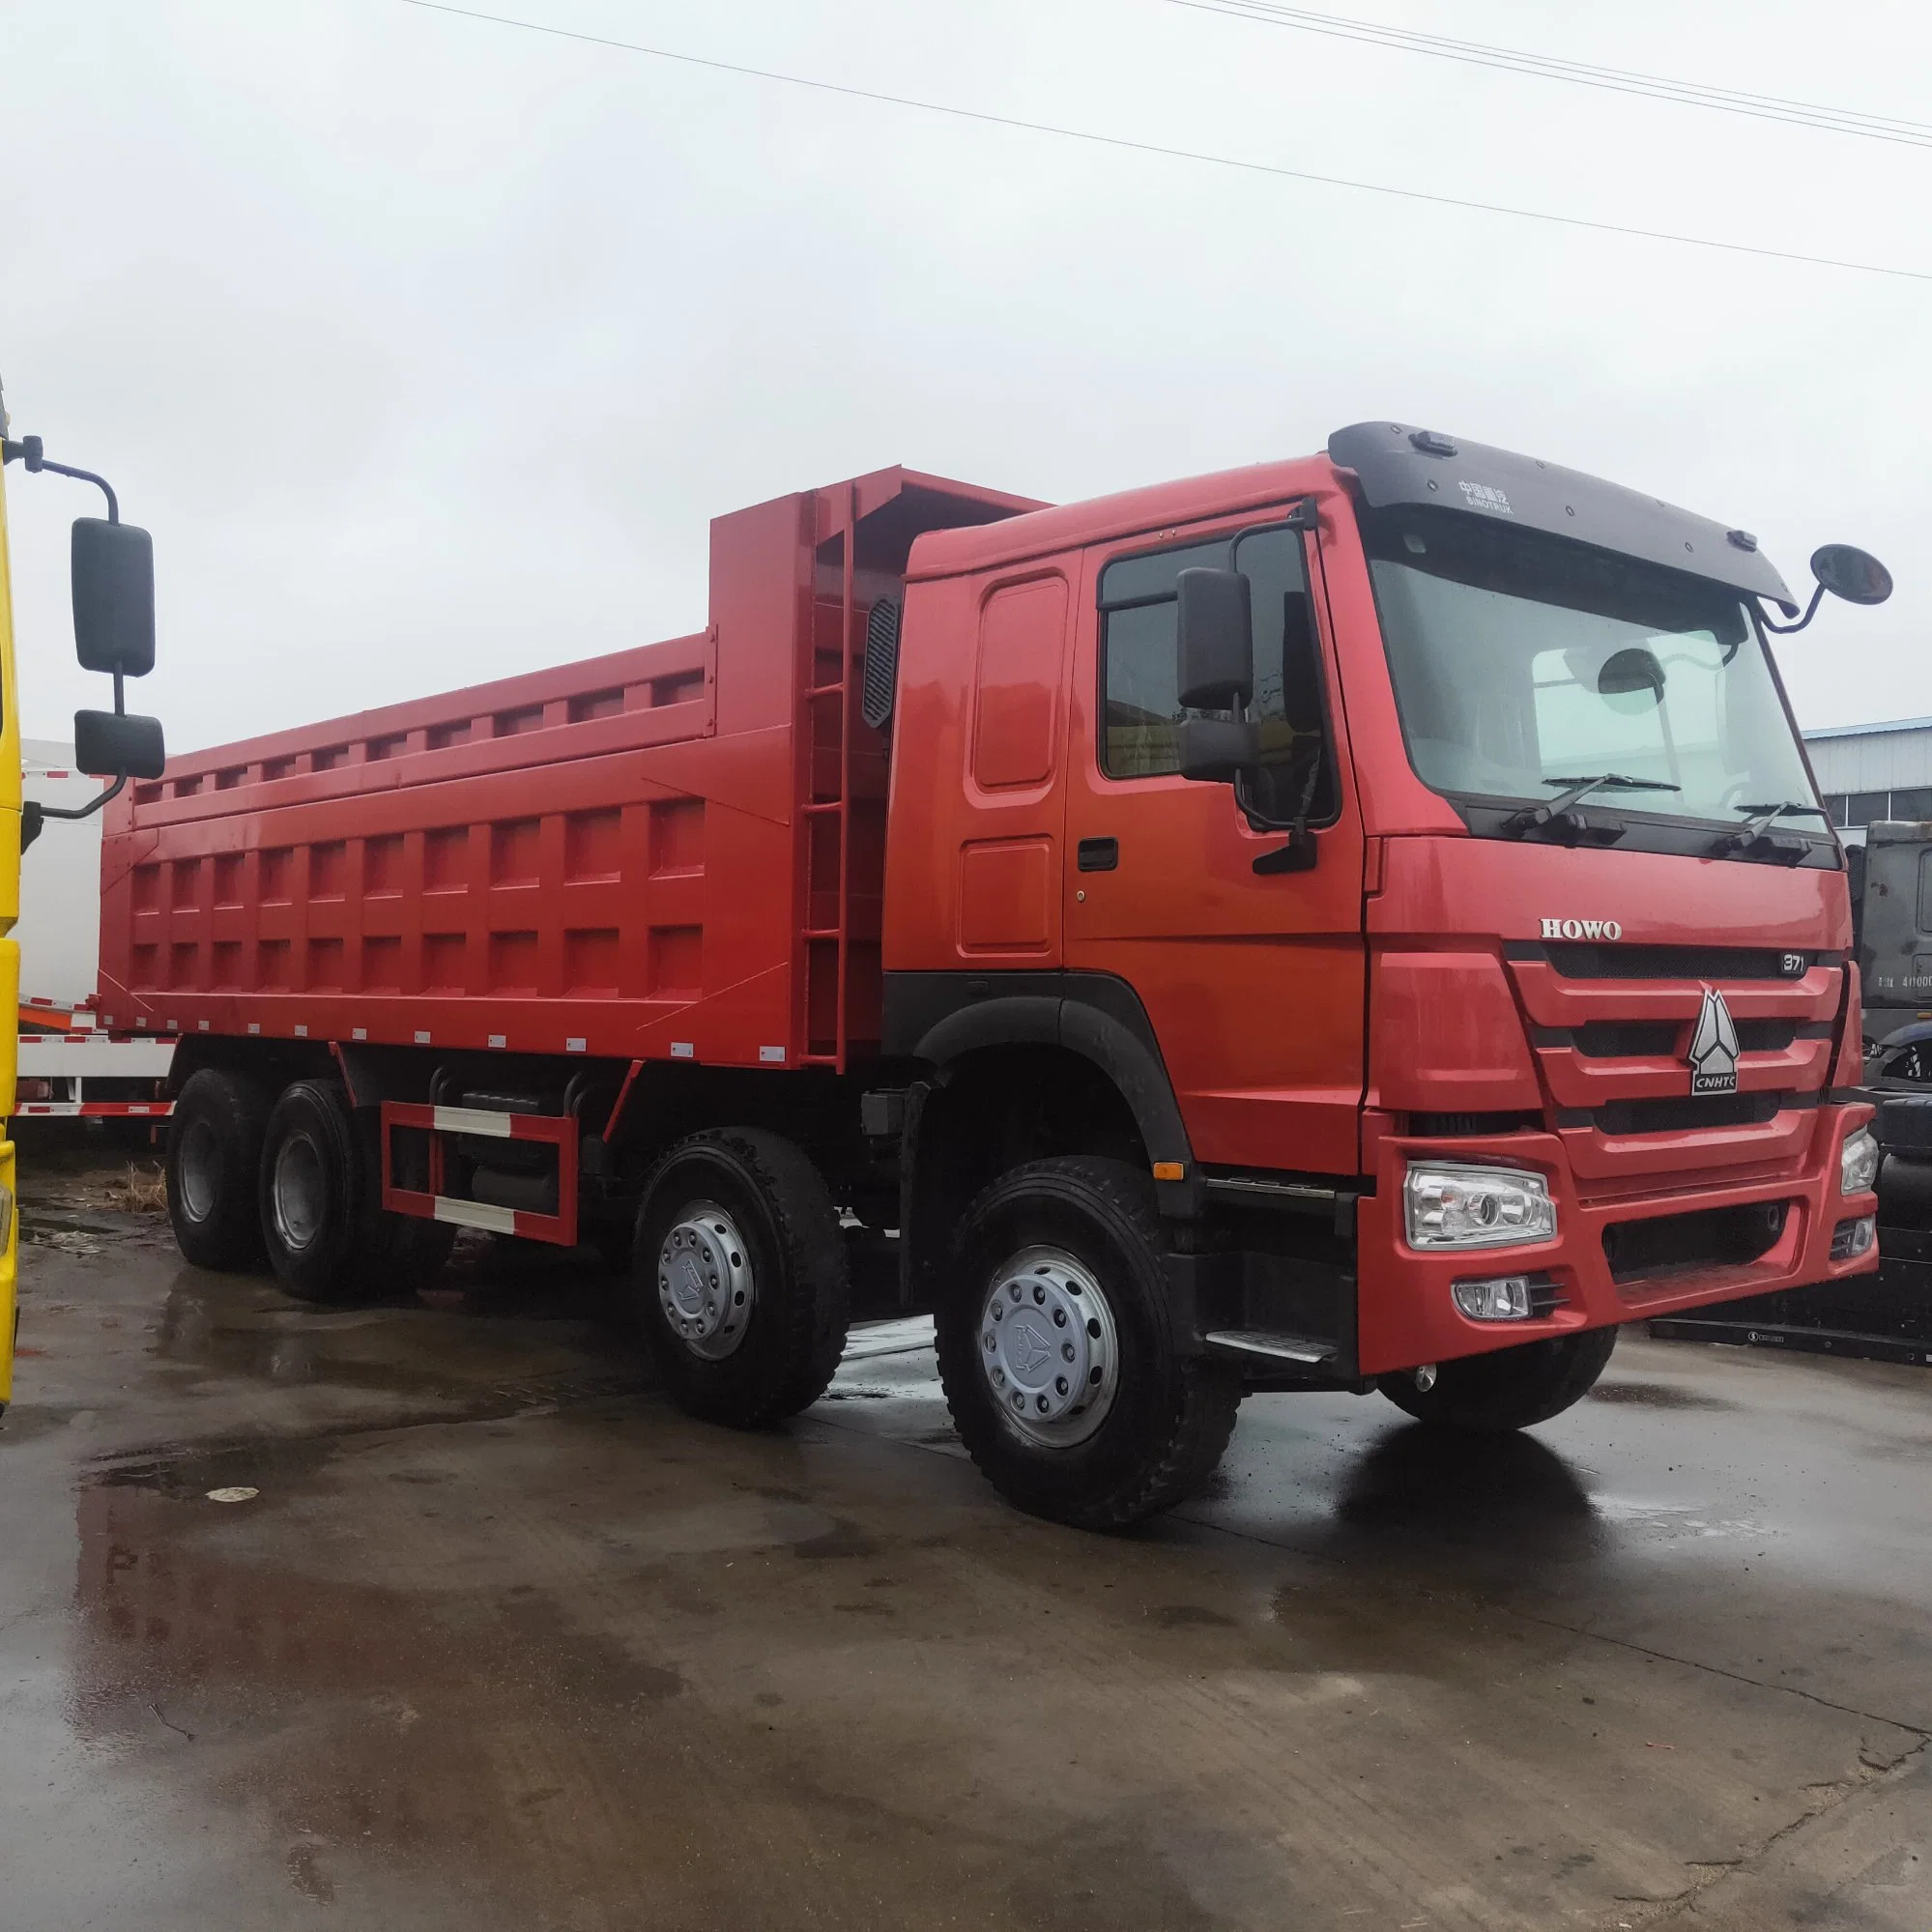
(1058, 1355)
(214, 1150)
(740, 1278)
(1510, 1389)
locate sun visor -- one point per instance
(1398, 464)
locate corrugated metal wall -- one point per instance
(1877, 771)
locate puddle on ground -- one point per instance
(1656, 1396)
(247, 1328)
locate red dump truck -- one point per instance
(1361, 922)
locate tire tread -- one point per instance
(1197, 1422)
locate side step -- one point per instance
(1250, 1341)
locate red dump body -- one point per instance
(672, 852)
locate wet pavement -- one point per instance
(499, 1640)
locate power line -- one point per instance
(1583, 73)
(1124, 143)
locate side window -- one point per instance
(1139, 704)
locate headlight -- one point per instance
(1858, 1162)
(1449, 1206)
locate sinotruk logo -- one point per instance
(1714, 1047)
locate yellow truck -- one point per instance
(113, 583)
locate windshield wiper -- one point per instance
(1576, 789)
(1760, 823)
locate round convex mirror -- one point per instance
(1856, 575)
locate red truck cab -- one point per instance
(1377, 969)
(1364, 922)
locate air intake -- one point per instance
(881, 663)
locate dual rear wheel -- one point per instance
(295, 1179)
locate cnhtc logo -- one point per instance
(1714, 1048)
(1581, 929)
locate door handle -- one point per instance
(1098, 854)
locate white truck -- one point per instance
(70, 1068)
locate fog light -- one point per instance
(1505, 1298)
(1858, 1162)
(1452, 1206)
(1852, 1238)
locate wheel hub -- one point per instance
(1047, 1347)
(300, 1193)
(198, 1165)
(704, 1282)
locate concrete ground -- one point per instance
(502, 1641)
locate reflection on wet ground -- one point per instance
(499, 1640)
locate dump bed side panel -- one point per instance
(674, 852)
(576, 861)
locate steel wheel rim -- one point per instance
(705, 1281)
(1048, 1347)
(198, 1166)
(298, 1192)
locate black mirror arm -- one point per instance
(86, 811)
(1810, 612)
(29, 450)
(1298, 854)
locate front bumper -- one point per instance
(1407, 1315)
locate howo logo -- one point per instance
(1581, 929)
(1714, 1047)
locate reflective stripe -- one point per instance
(476, 1213)
(474, 1120)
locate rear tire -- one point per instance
(1510, 1389)
(739, 1277)
(321, 1214)
(1075, 1399)
(214, 1152)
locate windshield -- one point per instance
(1524, 665)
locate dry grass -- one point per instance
(142, 1190)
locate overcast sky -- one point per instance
(426, 347)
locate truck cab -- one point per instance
(1495, 989)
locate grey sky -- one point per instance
(426, 347)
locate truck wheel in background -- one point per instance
(322, 1220)
(213, 1151)
(1058, 1355)
(740, 1277)
(1511, 1389)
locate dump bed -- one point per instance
(673, 851)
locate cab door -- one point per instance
(1254, 981)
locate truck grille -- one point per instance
(1610, 1026)
(1667, 1039)
(1687, 1116)
(1694, 963)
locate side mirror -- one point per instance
(1856, 575)
(1217, 750)
(112, 744)
(113, 570)
(1214, 640)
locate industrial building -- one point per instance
(1867, 772)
